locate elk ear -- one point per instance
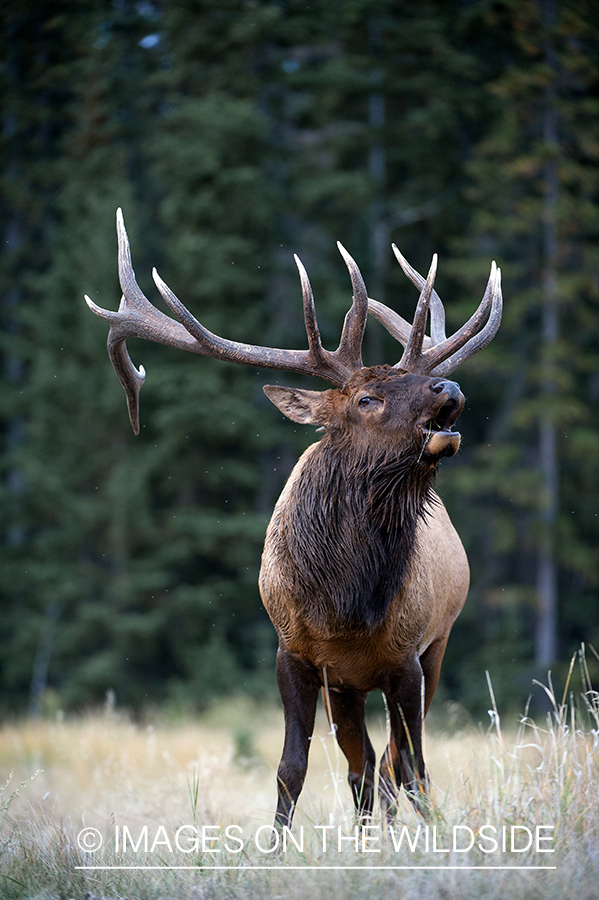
(298, 405)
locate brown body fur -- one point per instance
(424, 610)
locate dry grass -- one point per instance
(104, 772)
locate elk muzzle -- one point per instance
(439, 438)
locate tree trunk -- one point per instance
(546, 628)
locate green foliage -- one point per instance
(234, 134)
(534, 375)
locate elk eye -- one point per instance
(364, 401)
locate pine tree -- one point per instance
(534, 184)
(234, 134)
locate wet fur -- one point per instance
(351, 531)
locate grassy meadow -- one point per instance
(100, 790)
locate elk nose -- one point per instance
(449, 387)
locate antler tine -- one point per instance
(131, 378)
(413, 355)
(350, 345)
(395, 324)
(475, 342)
(451, 345)
(136, 317)
(437, 310)
(440, 355)
(310, 320)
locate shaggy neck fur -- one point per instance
(352, 533)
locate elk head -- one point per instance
(411, 400)
(382, 408)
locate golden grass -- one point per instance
(105, 772)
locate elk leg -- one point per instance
(431, 661)
(298, 686)
(347, 710)
(403, 760)
(389, 781)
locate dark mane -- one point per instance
(352, 533)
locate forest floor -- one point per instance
(101, 807)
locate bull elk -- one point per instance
(363, 574)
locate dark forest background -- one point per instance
(234, 134)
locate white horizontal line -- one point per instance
(313, 868)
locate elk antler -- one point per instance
(136, 317)
(438, 354)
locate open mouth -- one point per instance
(444, 419)
(439, 439)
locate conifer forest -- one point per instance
(233, 134)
